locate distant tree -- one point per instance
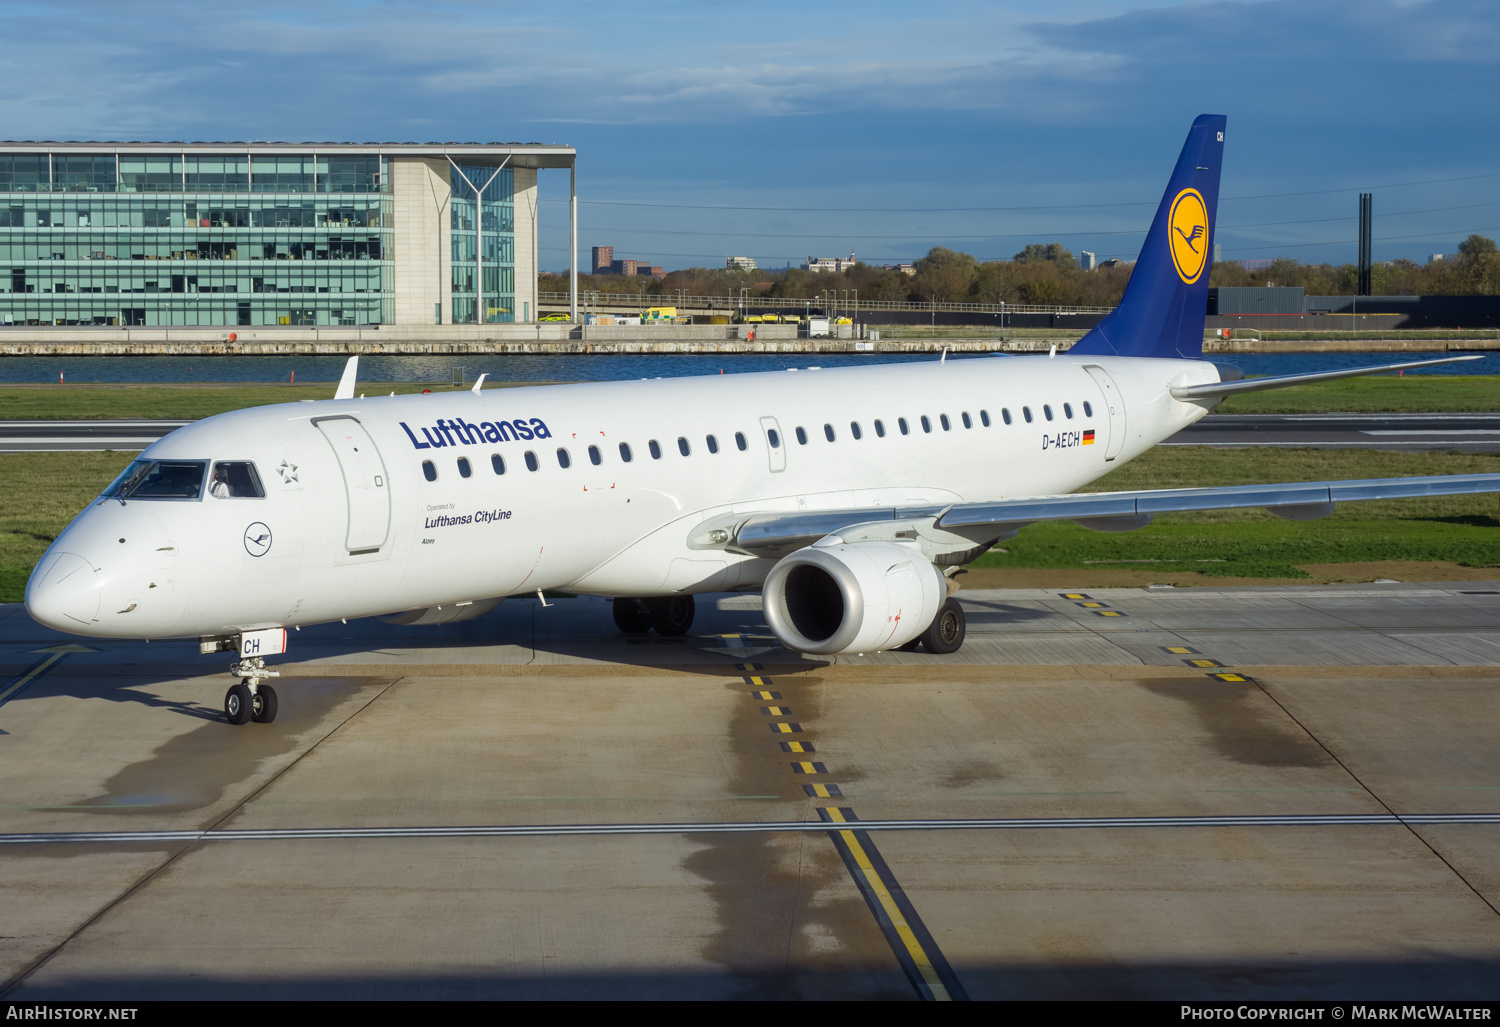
(1052, 251)
(1476, 245)
(945, 275)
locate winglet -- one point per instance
(346, 383)
(478, 383)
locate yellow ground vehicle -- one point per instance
(659, 314)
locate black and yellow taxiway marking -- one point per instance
(1202, 661)
(1227, 676)
(912, 945)
(1179, 650)
(1107, 613)
(915, 949)
(1073, 595)
(1093, 606)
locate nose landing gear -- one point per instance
(248, 699)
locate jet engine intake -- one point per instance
(837, 597)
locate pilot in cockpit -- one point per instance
(220, 487)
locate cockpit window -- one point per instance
(159, 479)
(235, 479)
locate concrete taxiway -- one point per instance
(1245, 793)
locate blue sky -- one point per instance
(778, 130)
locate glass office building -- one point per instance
(158, 234)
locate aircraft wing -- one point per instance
(1106, 511)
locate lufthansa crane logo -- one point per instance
(257, 539)
(1188, 228)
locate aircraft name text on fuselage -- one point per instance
(458, 432)
(477, 517)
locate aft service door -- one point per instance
(775, 442)
(365, 482)
(1113, 407)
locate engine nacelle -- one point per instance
(852, 597)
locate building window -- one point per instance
(531, 463)
(429, 471)
(497, 462)
(464, 470)
(595, 457)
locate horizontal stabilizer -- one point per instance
(1214, 390)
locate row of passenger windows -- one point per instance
(711, 442)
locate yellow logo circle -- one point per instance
(1188, 235)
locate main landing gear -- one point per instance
(248, 699)
(669, 615)
(944, 635)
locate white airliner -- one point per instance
(848, 497)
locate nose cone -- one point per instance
(64, 593)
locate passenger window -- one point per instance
(943, 420)
(828, 432)
(968, 423)
(595, 457)
(905, 428)
(531, 463)
(1047, 410)
(464, 470)
(712, 443)
(801, 437)
(655, 449)
(1088, 411)
(563, 459)
(682, 446)
(429, 471)
(1026, 413)
(1005, 414)
(625, 452)
(739, 441)
(498, 463)
(773, 438)
(1068, 411)
(984, 418)
(879, 428)
(926, 424)
(236, 479)
(854, 430)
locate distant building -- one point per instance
(1111, 262)
(1087, 260)
(1258, 264)
(834, 264)
(606, 264)
(906, 269)
(1438, 258)
(739, 263)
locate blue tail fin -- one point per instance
(1161, 314)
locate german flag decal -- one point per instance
(1088, 437)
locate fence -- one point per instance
(840, 306)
